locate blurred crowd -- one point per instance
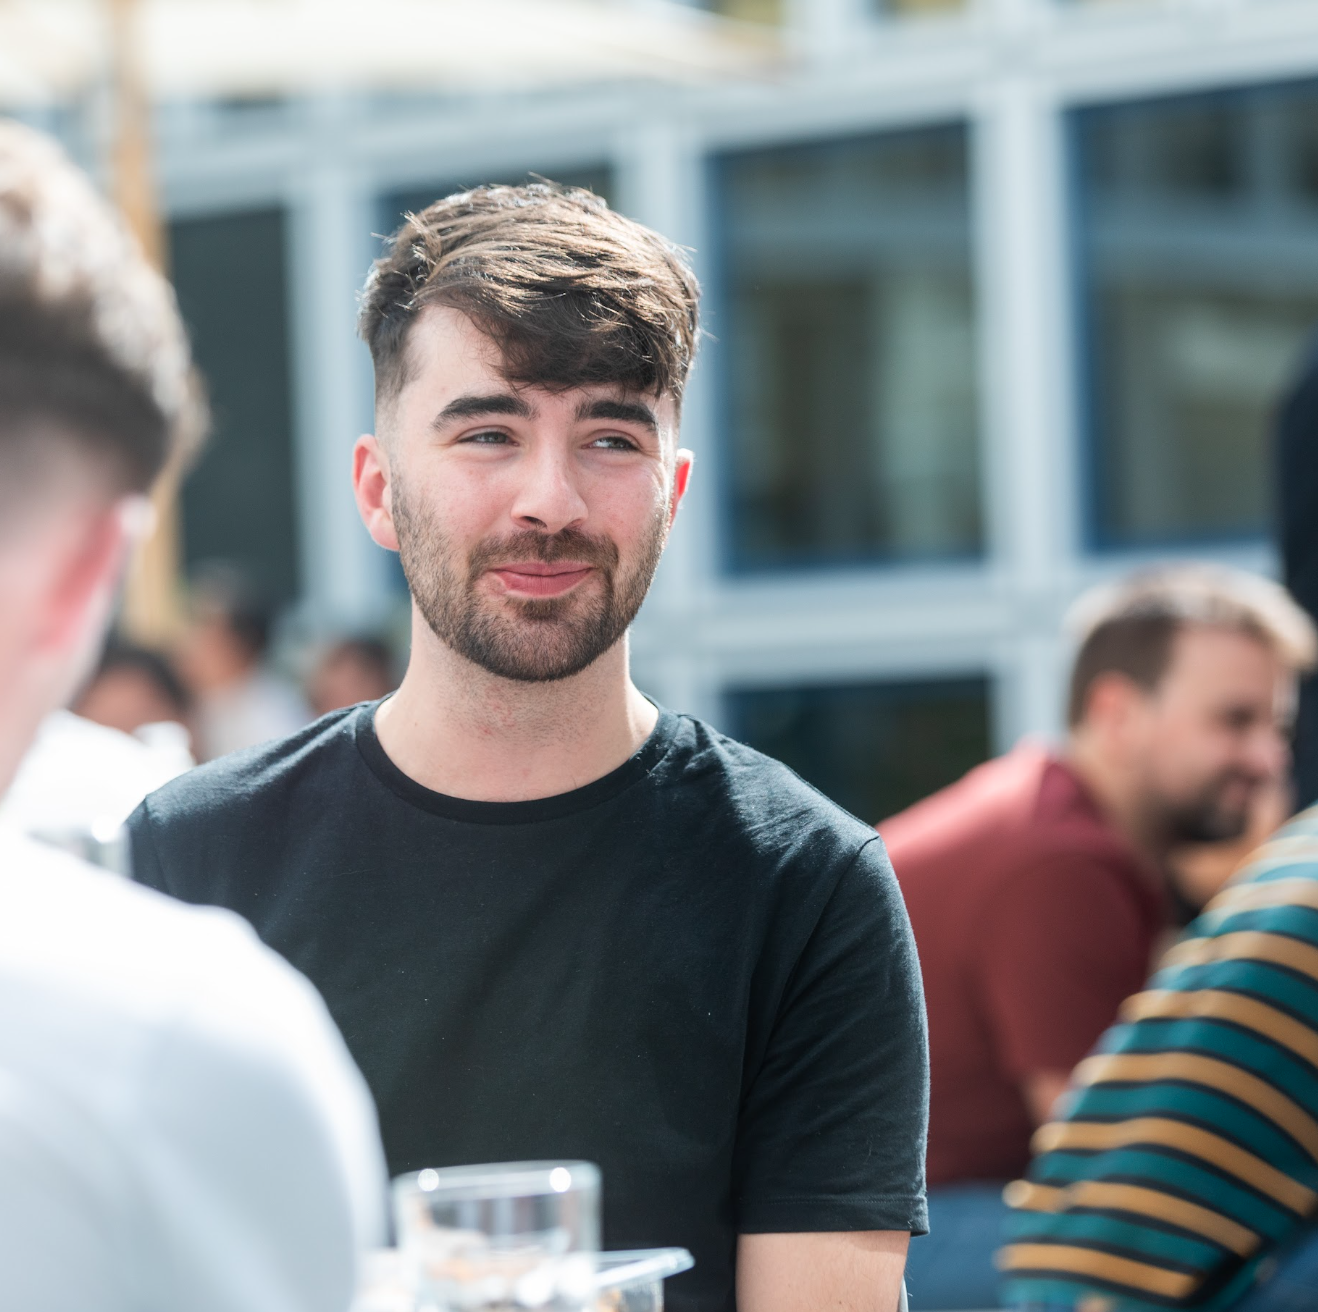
(219, 680)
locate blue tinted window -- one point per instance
(845, 329)
(874, 747)
(238, 503)
(1198, 228)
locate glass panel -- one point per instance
(875, 748)
(1198, 229)
(848, 347)
(408, 201)
(238, 503)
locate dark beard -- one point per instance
(544, 638)
(1204, 821)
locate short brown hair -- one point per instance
(92, 349)
(1128, 627)
(572, 293)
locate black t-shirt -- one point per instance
(695, 971)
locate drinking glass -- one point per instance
(505, 1236)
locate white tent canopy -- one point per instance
(53, 49)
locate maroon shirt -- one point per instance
(1034, 920)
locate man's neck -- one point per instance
(459, 730)
(22, 710)
(1120, 800)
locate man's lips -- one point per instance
(538, 578)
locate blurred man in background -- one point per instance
(180, 1126)
(1037, 885)
(240, 701)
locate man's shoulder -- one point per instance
(87, 937)
(786, 847)
(254, 776)
(1275, 891)
(1015, 819)
(1291, 853)
(177, 1037)
(754, 796)
(998, 796)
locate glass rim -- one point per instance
(498, 1180)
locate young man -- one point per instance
(180, 1126)
(553, 920)
(1038, 884)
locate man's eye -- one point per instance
(492, 437)
(614, 443)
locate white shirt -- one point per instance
(80, 777)
(181, 1127)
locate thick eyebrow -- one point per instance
(626, 412)
(477, 407)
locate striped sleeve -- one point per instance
(1189, 1144)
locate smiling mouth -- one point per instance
(534, 578)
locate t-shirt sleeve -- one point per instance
(1062, 946)
(146, 865)
(832, 1130)
(261, 1173)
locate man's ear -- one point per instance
(1114, 704)
(373, 489)
(685, 460)
(84, 574)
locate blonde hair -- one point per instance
(1127, 627)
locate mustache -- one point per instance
(527, 544)
(1234, 776)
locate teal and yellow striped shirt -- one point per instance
(1189, 1145)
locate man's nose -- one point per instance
(548, 498)
(1267, 752)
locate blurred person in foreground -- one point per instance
(239, 700)
(1182, 1171)
(79, 781)
(180, 1126)
(552, 919)
(87, 768)
(90, 766)
(1039, 885)
(349, 671)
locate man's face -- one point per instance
(1212, 733)
(529, 522)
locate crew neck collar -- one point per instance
(635, 768)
